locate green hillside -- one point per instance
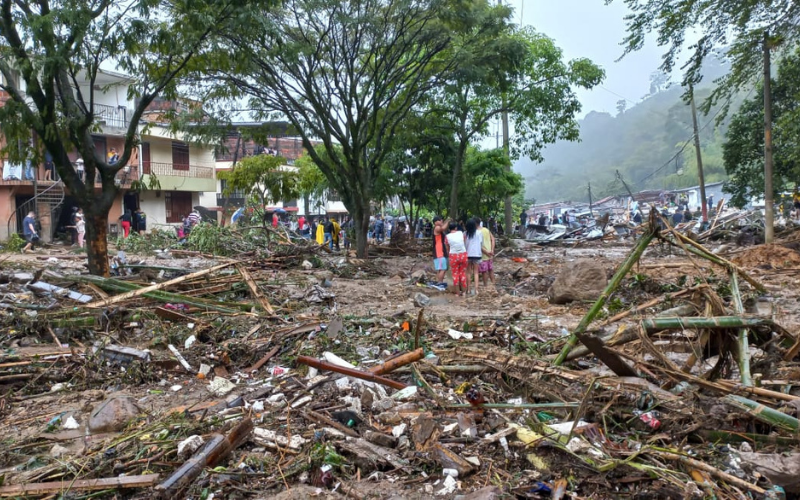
(647, 143)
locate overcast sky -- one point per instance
(589, 28)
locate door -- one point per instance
(178, 204)
(146, 158)
(100, 146)
(180, 156)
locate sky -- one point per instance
(590, 28)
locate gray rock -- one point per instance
(579, 280)
(113, 414)
(486, 493)
(781, 470)
(421, 300)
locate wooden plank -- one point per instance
(99, 291)
(254, 289)
(609, 358)
(79, 485)
(137, 293)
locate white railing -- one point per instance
(175, 170)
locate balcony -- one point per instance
(111, 116)
(18, 176)
(177, 177)
(230, 201)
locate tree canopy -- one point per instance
(265, 176)
(53, 55)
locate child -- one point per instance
(80, 226)
(474, 242)
(457, 251)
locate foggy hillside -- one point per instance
(646, 142)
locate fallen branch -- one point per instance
(23, 490)
(696, 464)
(399, 361)
(215, 449)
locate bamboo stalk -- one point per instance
(714, 323)
(626, 266)
(763, 413)
(399, 361)
(744, 345)
(76, 485)
(696, 464)
(521, 406)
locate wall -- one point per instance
(7, 207)
(156, 210)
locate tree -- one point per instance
(488, 181)
(734, 27)
(346, 73)
(264, 176)
(311, 181)
(520, 72)
(743, 150)
(50, 47)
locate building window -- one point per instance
(180, 156)
(333, 195)
(178, 204)
(236, 193)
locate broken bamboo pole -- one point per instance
(254, 289)
(626, 266)
(713, 323)
(216, 448)
(763, 413)
(152, 288)
(350, 372)
(743, 357)
(697, 464)
(399, 361)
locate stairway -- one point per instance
(47, 204)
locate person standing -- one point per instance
(710, 200)
(113, 157)
(486, 267)
(73, 221)
(379, 228)
(336, 229)
(523, 221)
(474, 241)
(439, 251)
(141, 221)
(79, 169)
(328, 233)
(301, 225)
(457, 251)
(80, 227)
(126, 222)
(29, 231)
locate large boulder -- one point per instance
(113, 414)
(579, 280)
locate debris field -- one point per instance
(654, 367)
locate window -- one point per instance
(236, 193)
(333, 195)
(178, 204)
(180, 156)
(146, 157)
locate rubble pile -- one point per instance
(302, 374)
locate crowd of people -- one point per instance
(467, 248)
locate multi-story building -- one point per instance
(183, 171)
(236, 145)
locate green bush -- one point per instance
(14, 243)
(147, 244)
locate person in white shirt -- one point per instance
(457, 251)
(474, 243)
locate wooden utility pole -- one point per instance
(591, 212)
(699, 158)
(769, 215)
(509, 218)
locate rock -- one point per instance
(581, 280)
(418, 274)
(189, 445)
(486, 493)
(421, 300)
(380, 439)
(779, 469)
(449, 459)
(307, 265)
(57, 451)
(221, 386)
(113, 414)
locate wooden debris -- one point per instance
(76, 485)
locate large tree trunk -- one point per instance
(97, 243)
(460, 154)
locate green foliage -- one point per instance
(487, 182)
(147, 244)
(312, 183)
(14, 243)
(731, 25)
(744, 141)
(263, 175)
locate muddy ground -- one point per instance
(371, 307)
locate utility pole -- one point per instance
(591, 212)
(769, 215)
(699, 158)
(507, 149)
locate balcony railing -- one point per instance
(231, 201)
(176, 170)
(18, 176)
(113, 116)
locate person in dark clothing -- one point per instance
(677, 217)
(29, 231)
(328, 230)
(687, 215)
(542, 220)
(637, 217)
(73, 221)
(523, 220)
(141, 221)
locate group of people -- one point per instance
(467, 248)
(136, 220)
